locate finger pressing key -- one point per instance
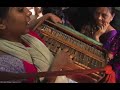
(72, 56)
(66, 49)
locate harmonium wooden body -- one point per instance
(88, 53)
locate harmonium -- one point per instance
(88, 53)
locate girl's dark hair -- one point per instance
(3, 12)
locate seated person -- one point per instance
(100, 29)
(114, 56)
(59, 12)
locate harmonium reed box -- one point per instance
(88, 52)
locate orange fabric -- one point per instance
(110, 78)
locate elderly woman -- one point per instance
(100, 29)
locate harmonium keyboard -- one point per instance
(88, 53)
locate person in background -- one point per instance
(114, 56)
(36, 12)
(102, 31)
(58, 11)
(100, 28)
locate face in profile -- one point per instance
(103, 15)
(17, 20)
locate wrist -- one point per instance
(97, 38)
(112, 53)
(56, 68)
(98, 34)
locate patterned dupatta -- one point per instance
(37, 54)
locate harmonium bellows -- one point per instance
(88, 52)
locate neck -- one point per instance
(110, 28)
(12, 38)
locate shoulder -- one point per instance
(2, 53)
(116, 37)
(111, 34)
(6, 57)
(114, 32)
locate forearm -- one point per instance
(48, 79)
(60, 61)
(97, 36)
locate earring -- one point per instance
(111, 19)
(2, 26)
(28, 13)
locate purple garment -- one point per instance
(115, 63)
(115, 46)
(106, 39)
(9, 63)
(115, 49)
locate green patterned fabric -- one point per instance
(79, 34)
